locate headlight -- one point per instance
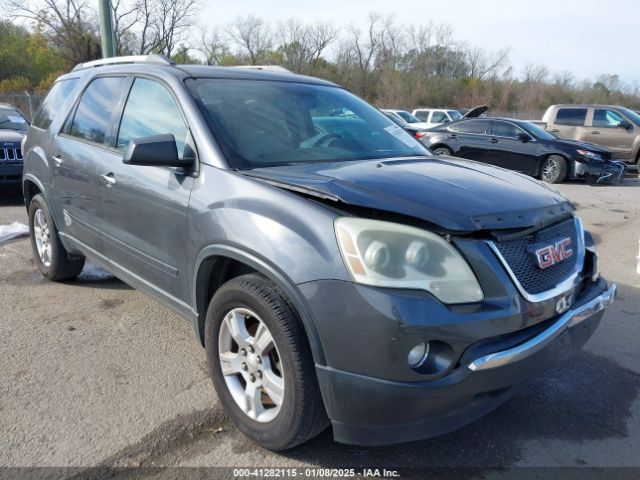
(386, 254)
(588, 154)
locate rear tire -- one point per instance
(442, 151)
(269, 386)
(50, 256)
(554, 169)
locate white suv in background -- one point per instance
(432, 117)
(407, 117)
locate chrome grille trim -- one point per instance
(565, 286)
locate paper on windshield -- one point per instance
(16, 119)
(401, 135)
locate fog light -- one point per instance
(418, 355)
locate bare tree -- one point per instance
(253, 35)
(482, 64)
(69, 25)
(214, 46)
(301, 46)
(173, 18)
(125, 18)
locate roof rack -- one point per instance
(153, 58)
(273, 68)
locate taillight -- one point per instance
(419, 135)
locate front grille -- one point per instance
(11, 155)
(519, 256)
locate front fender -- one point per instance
(268, 270)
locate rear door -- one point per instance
(506, 150)
(570, 123)
(470, 139)
(77, 153)
(605, 130)
(145, 207)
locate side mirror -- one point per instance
(523, 137)
(155, 151)
(626, 124)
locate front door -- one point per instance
(606, 130)
(76, 154)
(505, 149)
(145, 207)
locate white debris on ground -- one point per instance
(13, 231)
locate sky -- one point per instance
(585, 37)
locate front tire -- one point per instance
(52, 259)
(261, 364)
(554, 169)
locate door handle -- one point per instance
(57, 160)
(494, 140)
(555, 130)
(453, 136)
(108, 179)
(595, 132)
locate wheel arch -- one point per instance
(217, 264)
(31, 187)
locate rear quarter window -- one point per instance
(92, 120)
(53, 102)
(471, 126)
(571, 116)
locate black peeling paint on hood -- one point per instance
(457, 195)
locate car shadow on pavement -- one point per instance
(95, 276)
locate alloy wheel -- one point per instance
(42, 236)
(251, 365)
(550, 169)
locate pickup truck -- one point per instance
(614, 127)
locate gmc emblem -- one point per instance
(555, 253)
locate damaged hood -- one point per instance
(456, 195)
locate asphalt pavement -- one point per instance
(96, 374)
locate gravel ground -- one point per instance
(96, 374)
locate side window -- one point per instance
(439, 117)
(606, 118)
(571, 116)
(471, 126)
(92, 120)
(504, 129)
(423, 115)
(151, 110)
(52, 103)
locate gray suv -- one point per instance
(333, 269)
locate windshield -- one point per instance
(633, 116)
(12, 119)
(407, 117)
(454, 114)
(537, 132)
(271, 123)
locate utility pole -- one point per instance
(107, 35)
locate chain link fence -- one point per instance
(26, 103)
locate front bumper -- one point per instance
(376, 410)
(10, 173)
(611, 172)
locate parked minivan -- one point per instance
(614, 127)
(335, 272)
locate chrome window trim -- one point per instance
(563, 287)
